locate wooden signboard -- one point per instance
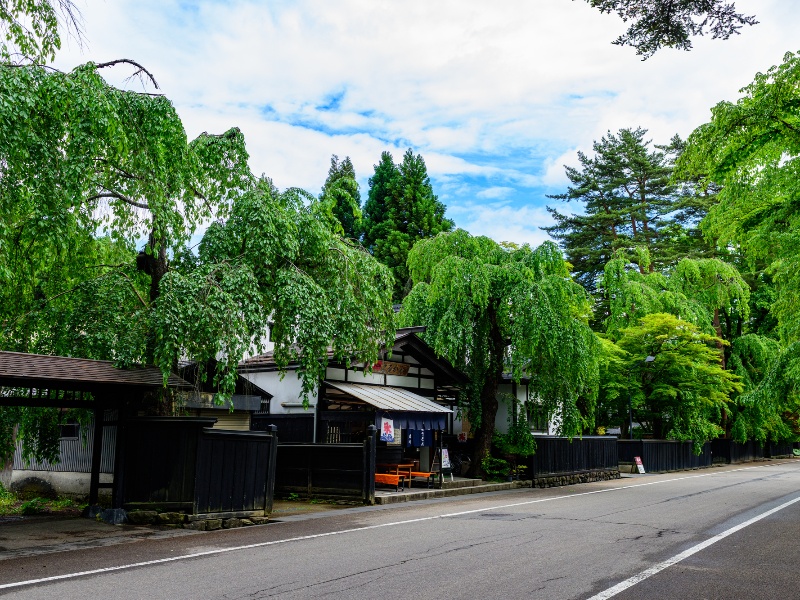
(639, 466)
(391, 368)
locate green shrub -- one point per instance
(36, 506)
(495, 468)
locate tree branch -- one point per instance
(118, 196)
(140, 69)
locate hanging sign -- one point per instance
(390, 368)
(639, 465)
(445, 459)
(387, 430)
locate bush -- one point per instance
(495, 468)
(36, 506)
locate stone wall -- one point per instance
(556, 480)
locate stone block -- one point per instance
(142, 517)
(247, 522)
(259, 520)
(113, 516)
(171, 518)
(196, 525)
(212, 524)
(231, 523)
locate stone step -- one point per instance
(460, 482)
(424, 494)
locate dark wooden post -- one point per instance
(97, 453)
(273, 457)
(369, 466)
(118, 491)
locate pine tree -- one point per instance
(626, 192)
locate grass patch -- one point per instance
(10, 504)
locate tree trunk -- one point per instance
(489, 404)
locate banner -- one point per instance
(387, 430)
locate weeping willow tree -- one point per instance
(490, 310)
(89, 171)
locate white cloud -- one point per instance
(493, 95)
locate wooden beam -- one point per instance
(46, 402)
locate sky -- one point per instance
(497, 97)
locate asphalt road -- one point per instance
(574, 542)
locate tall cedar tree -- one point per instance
(401, 210)
(342, 189)
(375, 222)
(625, 189)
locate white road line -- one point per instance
(159, 561)
(624, 585)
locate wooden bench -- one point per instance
(398, 481)
(430, 476)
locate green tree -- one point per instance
(78, 157)
(490, 309)
(341, 188)
(375, 221)
(278, 257)
(401, 209)
(30, 27)
(75, 148)
(682, 392)
(625, 190)
(750, 150)
(672, 23)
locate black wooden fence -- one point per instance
(179, 464)
(664, 455)
(555, 455)
(779, 449)
(733, 452)
(295, 429)
(328, 470)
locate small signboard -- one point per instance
(639, 466)
(445, 459)
(387, 430)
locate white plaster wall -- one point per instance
(335, 374)
(503, 409)
(361, 377)
(288, 390)
(67, 484)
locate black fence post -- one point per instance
(97, 453)
(273, 457)
(369, 466)
(118, 491)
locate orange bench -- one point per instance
(430, 476)
(398, 481)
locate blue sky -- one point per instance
(496, 96)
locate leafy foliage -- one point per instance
(490, 309)
(672, 23)
(681, 392)
(30, 27)
(751, 150)
(278, 258)
(342, 190)
(518, 439)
